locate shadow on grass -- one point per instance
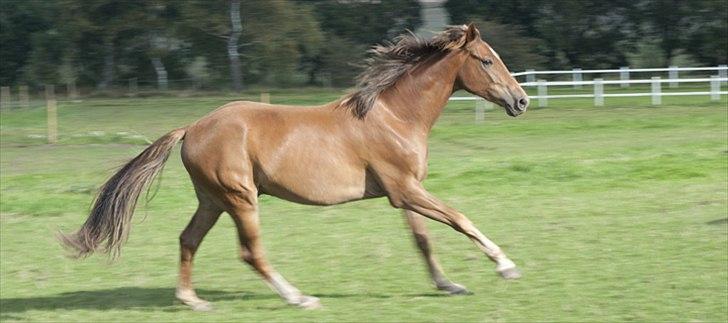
(354, 295)
(117, 298)
(138, 298)
(718, 222)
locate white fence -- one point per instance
(624, 81)
(624, 72)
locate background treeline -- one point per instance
(102, 44)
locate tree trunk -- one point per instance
(108, 71)
(161, 73)
(232, 45)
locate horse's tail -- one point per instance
(110, 218)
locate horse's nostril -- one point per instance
(522, 103)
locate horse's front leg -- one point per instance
(410, 195)
(419, 231)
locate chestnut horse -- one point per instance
(371, 143)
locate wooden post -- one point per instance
(23, 96)
(4, 97)
(265, 97)
(52, 114)
(656, 89)
(542, 93)
(598, 92)
(531, 76)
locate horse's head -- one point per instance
(485, 75)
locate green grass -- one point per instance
(616, 213)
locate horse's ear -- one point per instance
(471, 33)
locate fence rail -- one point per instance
(558, 83)
(598, 94)
(577, 74)
(624, 69)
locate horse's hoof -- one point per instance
(454, 289)
(309, 303)
(201, 306)
(510, 273)
(190, 299)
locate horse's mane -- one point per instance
(390, 61)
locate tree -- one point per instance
(351, 27)
(275, 37)
(573, 33)
(160, 36)
(19, 21)
(232, 45)
(698, 28)
(595, 34)
(100, 30)
(367, 22)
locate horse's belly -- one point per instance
(318, 172)
(321, 185)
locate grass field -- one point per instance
(617, 213)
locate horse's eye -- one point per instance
(487, 62)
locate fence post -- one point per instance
(4, 97)
(23, 96)
(530, 77)
(672, 73)
(576, 77)
(714, 88)
(133, 86)
(479, 110)
(52, 113)
(265, 97)
(624, 76)
(542, 93)
(723, 71)
(656, 88)
(598, 92)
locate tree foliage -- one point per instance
(602, 34)
(101, 43)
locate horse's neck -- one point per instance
(420, 97)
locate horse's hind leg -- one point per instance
(244, 211)
(203, 220)
(419, 230)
